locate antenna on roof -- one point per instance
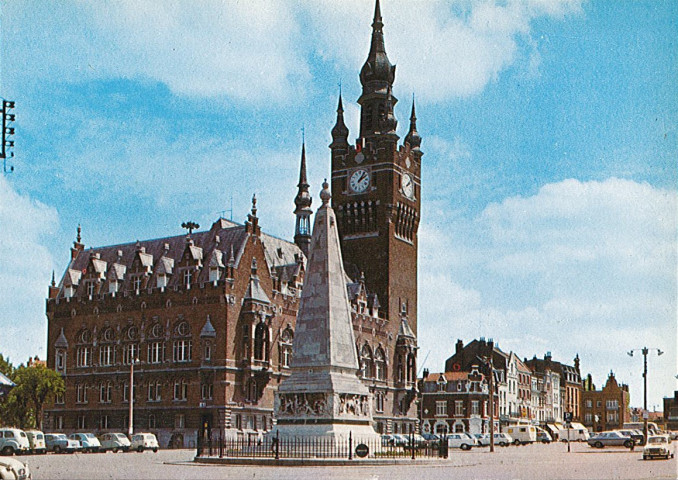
(230, 210)
(423, 363)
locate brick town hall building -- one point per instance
(209, 317)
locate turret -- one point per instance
(302, 229)
(340, 131)
(412, 136)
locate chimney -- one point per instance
(458, 347)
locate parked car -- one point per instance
(430, 437)
(657, 446)
(13, 440)
(36, 439)
(610, 438)
(543, 436)
(114, 442)
(88, 441)
(60, 443)
(144, 441)
(464, 441)
(635, 435)
(483, 439)
(503, 439)
(13, 469)
(419, 441)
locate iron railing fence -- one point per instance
(276, 447)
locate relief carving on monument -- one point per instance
(303, 405)
(351, 404)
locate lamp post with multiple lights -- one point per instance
(644, 351)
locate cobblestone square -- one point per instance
(512, 463)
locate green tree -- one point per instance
(6, 366)
(35, 387)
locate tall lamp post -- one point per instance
(131, 396)
(644, 351)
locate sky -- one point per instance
(549, 196)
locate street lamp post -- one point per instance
(644, 351)
(131, 396)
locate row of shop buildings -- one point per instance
(538, 391)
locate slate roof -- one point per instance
(208, 329)
(165, 255)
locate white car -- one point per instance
(657, 446)
(88, 441)
(114, 442)
(464, 441)
(13, 440)
(144, 441)
(13, 469)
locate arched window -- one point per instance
(366, 361)
(261, 342)
(380, 364)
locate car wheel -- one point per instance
(465, 447)
(516, 442)
(57, 449)
(598, 445)
(155, 450)
(644, 457)
(628, 443)
(114, 450)
(140, 449)
(8, 450)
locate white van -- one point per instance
(576, 433)
(521, 434)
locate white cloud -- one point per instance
(450, 50)
(579, 267)
(25, 269)
(259, 51)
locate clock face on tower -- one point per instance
(407, 185)
(359, 181)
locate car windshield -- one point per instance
(59, 436)
(656, 440)
(89, 435)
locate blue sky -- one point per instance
(549, 132)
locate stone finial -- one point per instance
(325, 194)
(254, 205)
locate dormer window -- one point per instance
(187, 278)
(68, 291)
(136, 284)
(90, 289)
(112, 286)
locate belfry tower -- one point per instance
(376, 190)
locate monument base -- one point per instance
(338, 431)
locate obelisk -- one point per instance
(323, 396)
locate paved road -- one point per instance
(511, 463)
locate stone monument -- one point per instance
(323, 396)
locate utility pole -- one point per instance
(7, 134)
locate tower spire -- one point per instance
(412, 136)
(340, 130)
(376, 77)
(303, 200)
